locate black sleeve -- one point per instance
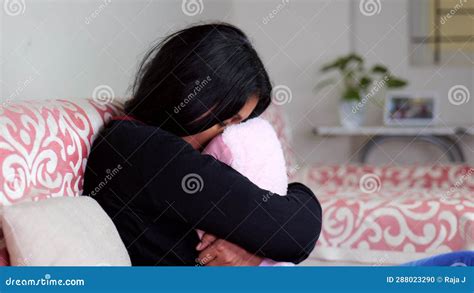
(211, 196)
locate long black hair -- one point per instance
(198, 77)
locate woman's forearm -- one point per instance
(228, 205)
(294, 227)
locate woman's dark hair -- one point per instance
(198, 77)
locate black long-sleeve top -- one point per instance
(158, 189)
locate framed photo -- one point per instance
(411, 109)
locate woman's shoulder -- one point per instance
(132, 127)
(139, 136)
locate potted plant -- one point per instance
(359, 85)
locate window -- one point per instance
(442, 32)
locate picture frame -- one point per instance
(411, 108)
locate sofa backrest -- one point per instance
(44, 145)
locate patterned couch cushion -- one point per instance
(44, 146)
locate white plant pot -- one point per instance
(352, 114)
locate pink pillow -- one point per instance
(277, 118)
(253, 149)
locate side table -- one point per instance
(445, 138)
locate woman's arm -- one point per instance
(219, 252)
(213, 252)
(225, 203)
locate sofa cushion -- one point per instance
(44, 145)
(64, 231)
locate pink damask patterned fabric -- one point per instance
(44, 146)
(392, 214)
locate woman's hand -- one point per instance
(219, 252)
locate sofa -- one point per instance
(371, 215)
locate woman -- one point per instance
(189, 88)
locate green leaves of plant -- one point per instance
(351, 94)
(364, 82)
(379, 69)
(357, 78)
(394, 82)
(342, 62)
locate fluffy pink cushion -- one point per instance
(253, 149)
(277, 118)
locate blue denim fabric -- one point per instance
(458, 258)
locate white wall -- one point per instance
(385, 38)
(393, 49)
(59, 49)
(303, 35)
(67, 48)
